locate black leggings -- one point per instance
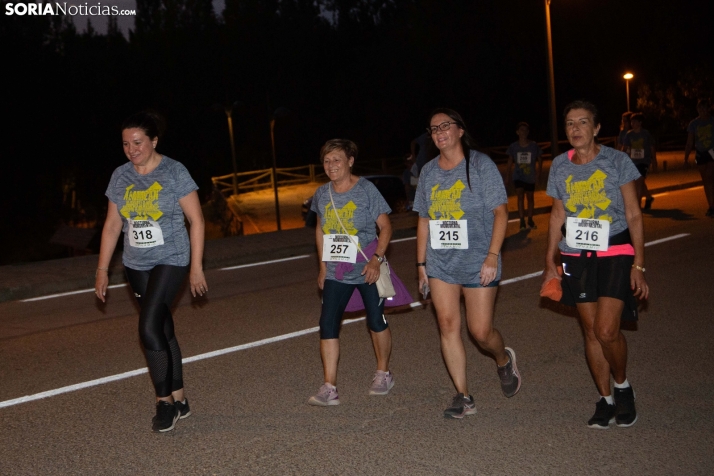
(155, 290)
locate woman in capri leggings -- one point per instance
(358, 205)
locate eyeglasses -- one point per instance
(444, 126)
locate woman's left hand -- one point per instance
(489, 269)
(371, 271)
(198, 282)
(638, 284)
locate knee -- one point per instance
(606, 335)
(329, 327)
(377, 322)
(151, 328)
(482, 334)
(450, 326)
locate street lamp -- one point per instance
(628, 77)
(551, 85)
(228, 109)
(279, 112)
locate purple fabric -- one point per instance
(355, 304)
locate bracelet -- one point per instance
(639, 268)
(100, 269)
(379, 258)
(421, 264)
(494, 254)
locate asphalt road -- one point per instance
(250, 412)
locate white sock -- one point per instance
(608, 399)
(624, 384)
(329, 385)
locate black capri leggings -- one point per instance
(155, 290)
(336, 295)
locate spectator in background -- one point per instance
(526, 155)
(701, 137)
(640, 146)
(625, 126)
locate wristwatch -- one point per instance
(379, 258)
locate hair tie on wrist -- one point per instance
(421, 264)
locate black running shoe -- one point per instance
(183, 408)
(166, 416)
(710, 212)
(604, 415)
(531, 224)
(509, 376)
(648, 203)
(625, 402)
(460, 407)
(523, 223)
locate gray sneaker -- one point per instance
(382, 383)
(326, 396)
(461, 406)
(510, 378)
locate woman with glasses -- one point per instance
(348, 207)
(463, 215)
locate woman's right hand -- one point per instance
(321, 277)
(423, 279)
(101, 282)
(549, 273)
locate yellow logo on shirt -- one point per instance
(142, 203)
(638, 143)
(588, 196)
(346, 215)
(447, 203)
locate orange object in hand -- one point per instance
(552, 288)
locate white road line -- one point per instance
(250, 345)
(520, 278)
(670, 238)
(264, 262)
(50, 296)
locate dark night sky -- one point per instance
(485, 59)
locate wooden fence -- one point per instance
(262, 179)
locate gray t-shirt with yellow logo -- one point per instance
(151, 201)
(445, 195)
(592, 190)
(359, 208)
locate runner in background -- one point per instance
(526, 155)
(640, 146)
(410, 178)
(423, 150)
(148, 199)
(625, 127)
(701, 137)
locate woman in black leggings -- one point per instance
(148, 198)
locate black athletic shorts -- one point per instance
(528, 187)
(703, 158)
(642, 168)
(587, 278)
